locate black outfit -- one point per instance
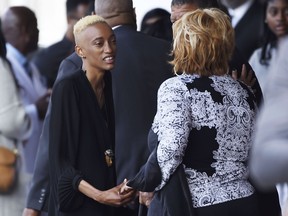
(48, 59)
(141, 66)
(38, 195)
(80, 132)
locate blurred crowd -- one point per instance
(187, 116)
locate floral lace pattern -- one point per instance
(181, 111)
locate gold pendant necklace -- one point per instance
(109, 157)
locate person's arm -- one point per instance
(269, 159)
(38, 195)
(173, 122)
(236, 64)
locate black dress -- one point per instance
(80, 132)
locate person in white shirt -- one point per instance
(276, 27)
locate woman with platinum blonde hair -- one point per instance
(203, 126)
(81, 140)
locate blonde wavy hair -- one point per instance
(203, 43)
(84, 22)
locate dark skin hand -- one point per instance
(111, 197)
(246, 78)
(145, 198)
(42, 104)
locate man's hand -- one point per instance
(42, 104)
(244, 77)
(30, 212)
(145, 198)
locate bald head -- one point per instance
(19, 25)
(120, 12)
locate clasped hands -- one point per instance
(144, 197)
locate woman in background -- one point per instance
(276, 27)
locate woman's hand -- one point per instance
(248, 79)
(110, 197)
(113, 196)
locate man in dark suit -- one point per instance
(48, 59)
(180, 7)
(247, 18)
(141, 66)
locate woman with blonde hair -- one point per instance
(203, 125)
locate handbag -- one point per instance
(8, 169)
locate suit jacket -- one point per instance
(249, 30)
(141, 66)
(31, 89)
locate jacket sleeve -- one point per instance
(63, 145)
(15, 123)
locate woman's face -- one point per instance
(99, 46)
(277, 17)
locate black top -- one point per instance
(79, 137)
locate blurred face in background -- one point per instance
(277, 17)
(177, 11)
(232, 3)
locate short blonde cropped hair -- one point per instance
(84, 22)
(203, 43)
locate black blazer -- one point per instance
(141, 66)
